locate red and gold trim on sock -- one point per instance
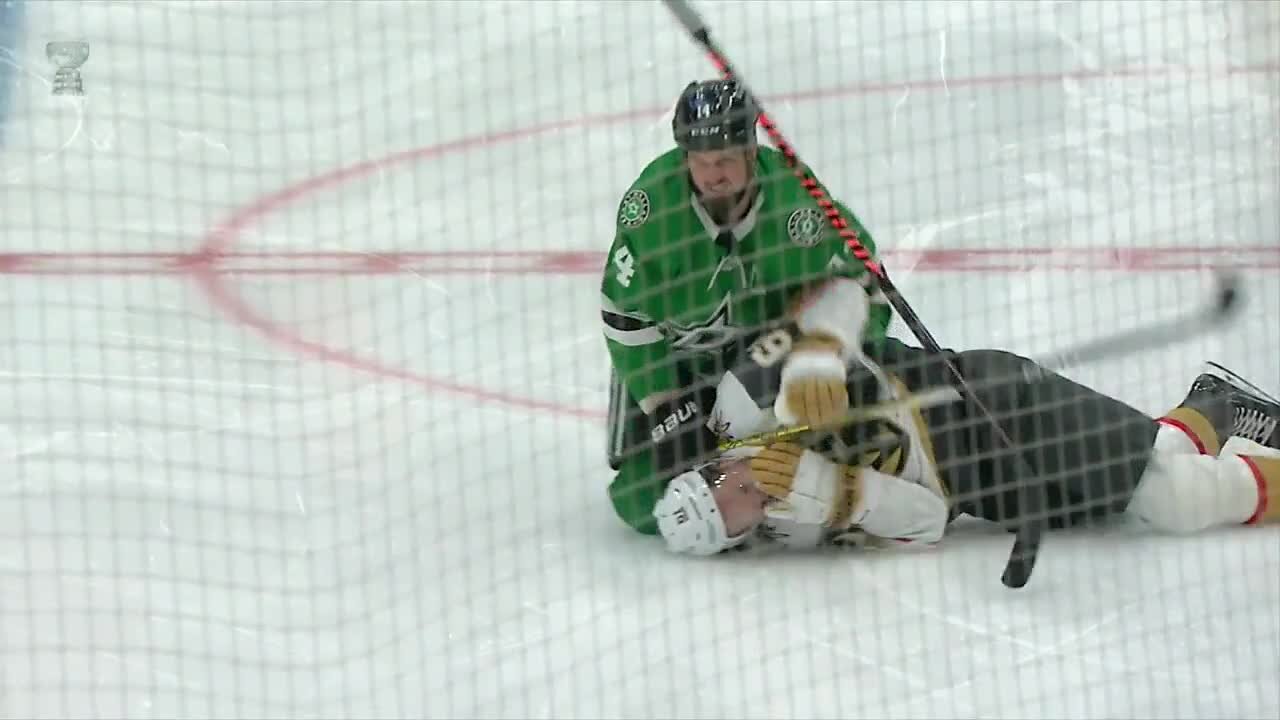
(1266, 470)
(1196, 426)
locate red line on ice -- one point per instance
(1147, 259)
(208, 265)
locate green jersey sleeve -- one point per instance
(639, 350)
(825, 254)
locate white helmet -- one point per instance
(688, 517)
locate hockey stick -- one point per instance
(928, 398)
(1207, 316)
(1027, 543)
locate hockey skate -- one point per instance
(1255, 414)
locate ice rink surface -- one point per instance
(303, 382)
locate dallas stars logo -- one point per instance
(713, 333)
(634, 209)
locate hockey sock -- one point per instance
(1186, 429)
(1266, 471)
(1264, 468)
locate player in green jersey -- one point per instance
(714, 240)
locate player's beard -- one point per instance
(729, 209)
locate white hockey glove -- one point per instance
(812, 388)
(810, 490)
(831, 320)
(807, 488)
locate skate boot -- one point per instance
(1235, 406)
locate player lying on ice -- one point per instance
(1212, 461)
(715, 237)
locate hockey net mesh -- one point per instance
(305, 386)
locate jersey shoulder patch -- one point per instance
(805, 226)
(650, 187)
(634, 209)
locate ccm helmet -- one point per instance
(714, 115)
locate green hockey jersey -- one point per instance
(677, 288)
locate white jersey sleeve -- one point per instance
(746, 393)
(890, 509)
(896, 509)
(737, 412)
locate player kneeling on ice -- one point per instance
(905, 473)
(713, 239)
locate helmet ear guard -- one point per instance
(714, 115)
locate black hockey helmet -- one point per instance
(713, 115)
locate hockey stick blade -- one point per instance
(1207, 316)
(1225, 301)
(1022, 558)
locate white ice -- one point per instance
(327, 477)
